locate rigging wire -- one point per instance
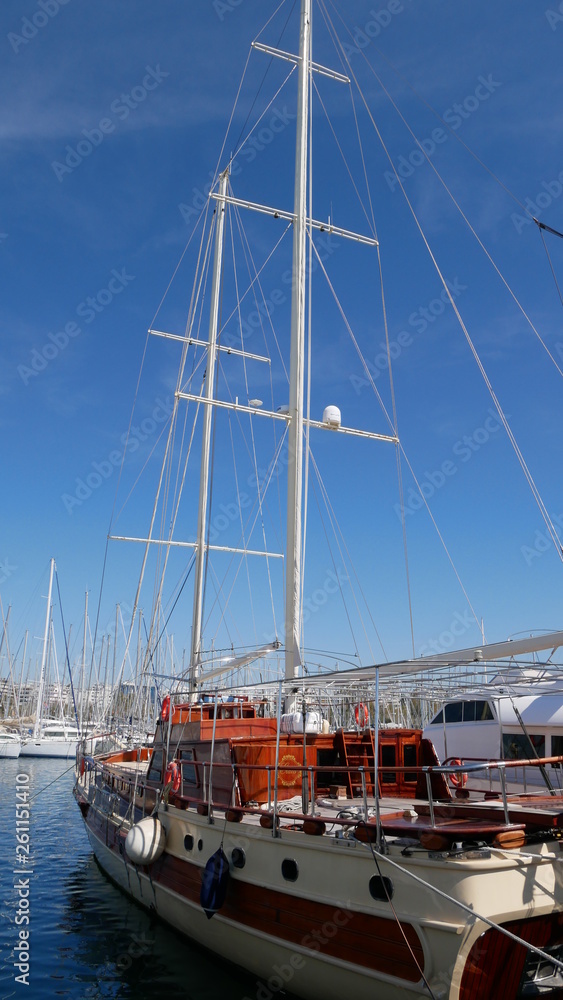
(267, 70)
(371, 221)
(249, 527)
(504, 420)
(452, 198)
(390, 423)
(541, 227)
(340, 540)
(423, 101)
(254, 454)
(395, 914)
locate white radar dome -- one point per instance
(332, 417)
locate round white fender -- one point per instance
(145, 841)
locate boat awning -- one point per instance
(473, 654)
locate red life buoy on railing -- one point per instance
(460, 779)
(173, 776)
(165, 710)
(361, 714)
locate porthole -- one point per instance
(381, 888)
(188, 842)
(200, 845)
(238, 857)
(289, 870)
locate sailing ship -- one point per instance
(50, 737)
(325, 858)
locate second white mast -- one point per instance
(293, 567)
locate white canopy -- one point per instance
(474, 654)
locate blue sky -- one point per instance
(113, 117)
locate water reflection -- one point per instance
(88, 940)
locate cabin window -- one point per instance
(454, 712)
(188, 842)
(483, 712)
(556, 748)
(388, 759)
(465, 711)
(381, 888)
(155, 769)
(189, 771)
(477, 711)
(409, 760)
(519, 746)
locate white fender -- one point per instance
(145, 841)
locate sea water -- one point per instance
(72, 933)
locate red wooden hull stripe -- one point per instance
(371, 942)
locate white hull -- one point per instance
(9, 748)
(42, 747)
(333, 881)
(307, 973)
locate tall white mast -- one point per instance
(206, 441)
(39, 709)
(83, 666)
(296, 377)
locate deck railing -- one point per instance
(122, 789)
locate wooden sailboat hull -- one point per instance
(323, 935)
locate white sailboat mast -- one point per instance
(39, 709)
(296, 378)
(195, 657)
(83, 665)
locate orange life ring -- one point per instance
(165, 710)
(361, 712)
(173, 776)
(288, 778)
(457, 780)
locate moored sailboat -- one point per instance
(326, 859)
(50, 737)
(10, 743)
